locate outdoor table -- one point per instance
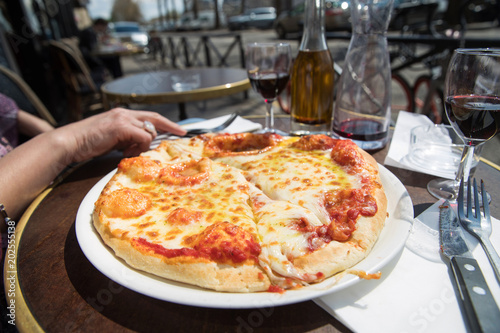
(59, 290)
(118, 49)
(156, 87)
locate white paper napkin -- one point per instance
(400, 144)
(239, 125)
(415, 293)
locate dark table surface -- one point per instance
(59, 290)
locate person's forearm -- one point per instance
(31, 125)
(29, 169)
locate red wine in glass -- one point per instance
(361, 129)
(269, 85)
(476, 117)
(268, 69)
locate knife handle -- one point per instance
(479, 304)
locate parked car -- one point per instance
(337, 18)
(205, 20)
(129, 32)
(262, 18)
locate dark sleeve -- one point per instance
(88, 40)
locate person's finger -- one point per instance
(145, 125)
(132, 150)
(161, 123)
(149, 127)
(134, 140)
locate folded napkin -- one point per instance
(400, 144)
(239, 125)
(415, 292)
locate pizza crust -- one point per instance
(202, 273)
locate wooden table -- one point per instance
(156, 87)
(59, 290)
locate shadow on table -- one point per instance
(124, 308)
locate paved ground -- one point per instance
(254, 105)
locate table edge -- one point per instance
(25, 320)
(490, 163)
(178, 97)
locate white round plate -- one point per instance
(389, 244)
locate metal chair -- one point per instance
(82, 91)
(16, 88)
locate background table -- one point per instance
(59, 289)
(156, 87)
(117, 49)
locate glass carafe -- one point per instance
(363, 101)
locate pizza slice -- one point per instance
(184, 219)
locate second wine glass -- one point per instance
(472, 104)
(268, 67)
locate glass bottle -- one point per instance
(363, 102)
(312, 77)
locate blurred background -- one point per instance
(422, 33)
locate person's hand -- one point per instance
(115, 129)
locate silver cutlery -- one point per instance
(479, 305)
(224, 125)
(197, 131)
(475, 223)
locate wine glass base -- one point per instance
(448, 189)
(443, 189)
(272, 130)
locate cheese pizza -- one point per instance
(244, 212)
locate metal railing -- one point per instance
(182, 50)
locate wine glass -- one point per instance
(268, 67)
(472, 105)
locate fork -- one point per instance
(197, 131)
(224, 125)
(475, 224)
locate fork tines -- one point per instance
(477, 225)
(473, 193)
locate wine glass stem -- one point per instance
(465, 164)
(269, 115)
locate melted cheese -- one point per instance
(281, 239)
(294, 175)
(223, 199)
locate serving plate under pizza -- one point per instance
(389, 244)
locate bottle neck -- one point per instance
(313, 38)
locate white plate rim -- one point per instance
(390, 243)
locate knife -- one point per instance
(479, 305)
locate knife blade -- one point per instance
(478, 303)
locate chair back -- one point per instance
(13, 86)
(74, 69)
(82, 92)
